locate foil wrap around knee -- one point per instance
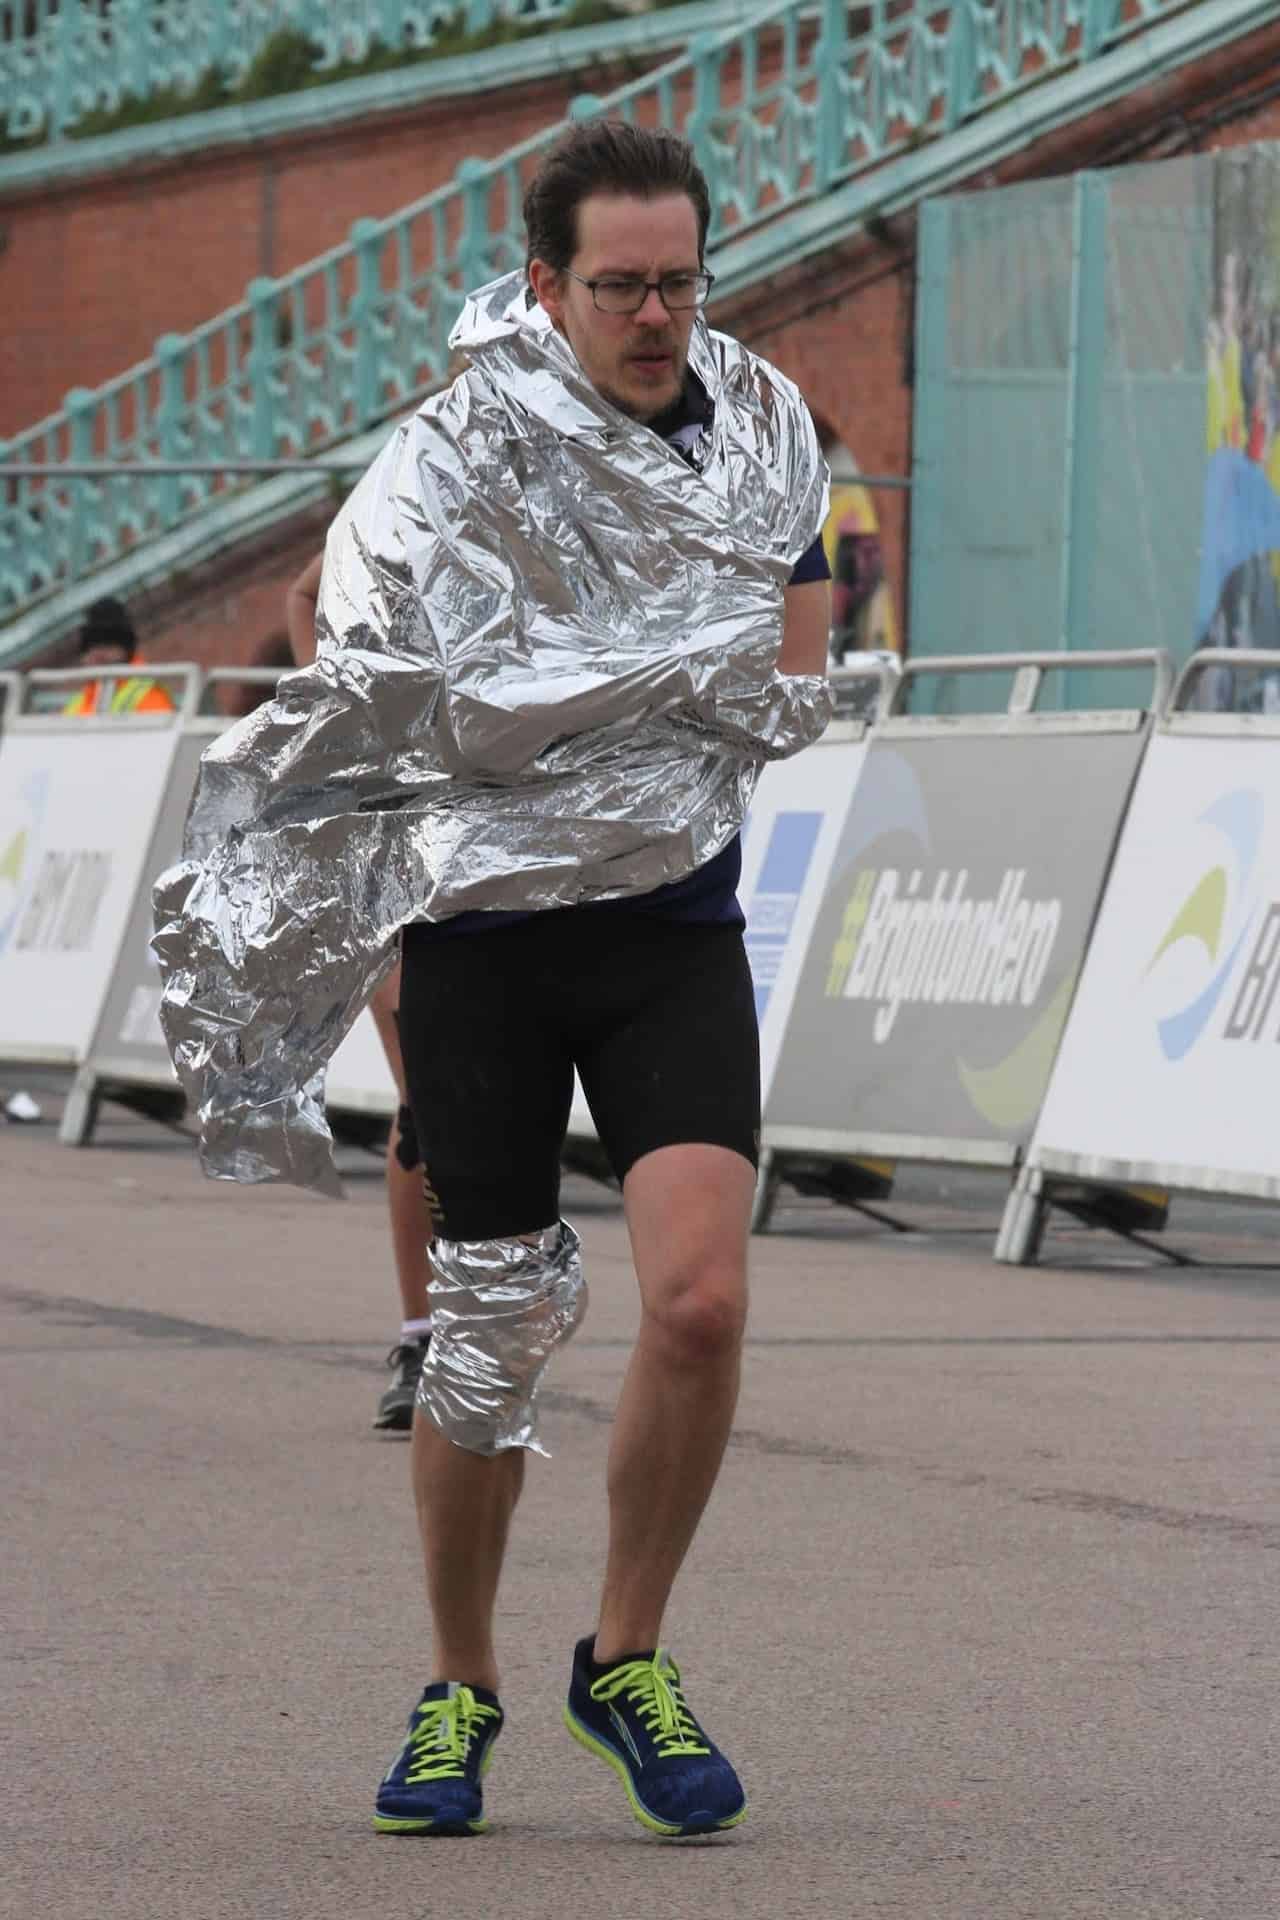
(499, 1309)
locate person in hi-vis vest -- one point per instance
(107, 639)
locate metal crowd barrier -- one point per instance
(127, 1051)
(957, 904)
(1165, 1081)
(1041, 941)
(1027, 673)
(78, 796)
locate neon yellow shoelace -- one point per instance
(442, 1739)
(653, 1688)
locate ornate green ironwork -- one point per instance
(63, 59)
(782, 112)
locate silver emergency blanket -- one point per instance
(545, 675)
(499, 1309)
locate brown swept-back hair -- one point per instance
(607, 156)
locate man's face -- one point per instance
(636, 360)
(104, 653)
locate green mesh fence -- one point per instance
(1060, 419)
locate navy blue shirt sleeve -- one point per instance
(811, 565)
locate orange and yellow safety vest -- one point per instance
(134, 695)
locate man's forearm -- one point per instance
(300, 612)
(300, 623)
(806, 631)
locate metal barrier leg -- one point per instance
(1022, 1224)
(80, 1114)
(578, 1154)
(768, 1181)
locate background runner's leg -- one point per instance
(410, 1216)
(410, 1227)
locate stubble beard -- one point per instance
(646, 410)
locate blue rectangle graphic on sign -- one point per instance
(772, 909)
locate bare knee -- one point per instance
(698, 1316)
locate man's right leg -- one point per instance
(465, 1503)
(490, 1091)
(503, 1303)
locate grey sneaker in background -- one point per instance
(395, 1408)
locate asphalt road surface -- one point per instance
(984, 1608)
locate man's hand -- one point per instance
(806, 628)
(300, 611)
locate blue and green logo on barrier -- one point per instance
(918, 932)
(1202, 918)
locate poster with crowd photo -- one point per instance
(1239, 597)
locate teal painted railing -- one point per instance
(63, 59)
(780, 112)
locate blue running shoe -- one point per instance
(433, 1784)
(635, 1716)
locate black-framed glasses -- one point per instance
(627, 293)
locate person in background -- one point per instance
(862, 611)
(107, 639)
(411, 1227)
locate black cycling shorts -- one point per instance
(657, 1016)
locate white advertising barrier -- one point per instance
(358, 1079)
(941, 962)
(791, 835)
(128, 1048)
(78, 800)
(1168, 1067)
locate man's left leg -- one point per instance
(411, 1225)
(674, 1085)
(688, 1213)
(688, 1210)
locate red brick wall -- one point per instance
(1263, 124)
(227, 614)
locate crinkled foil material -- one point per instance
(499, 1309)
(545, 675)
